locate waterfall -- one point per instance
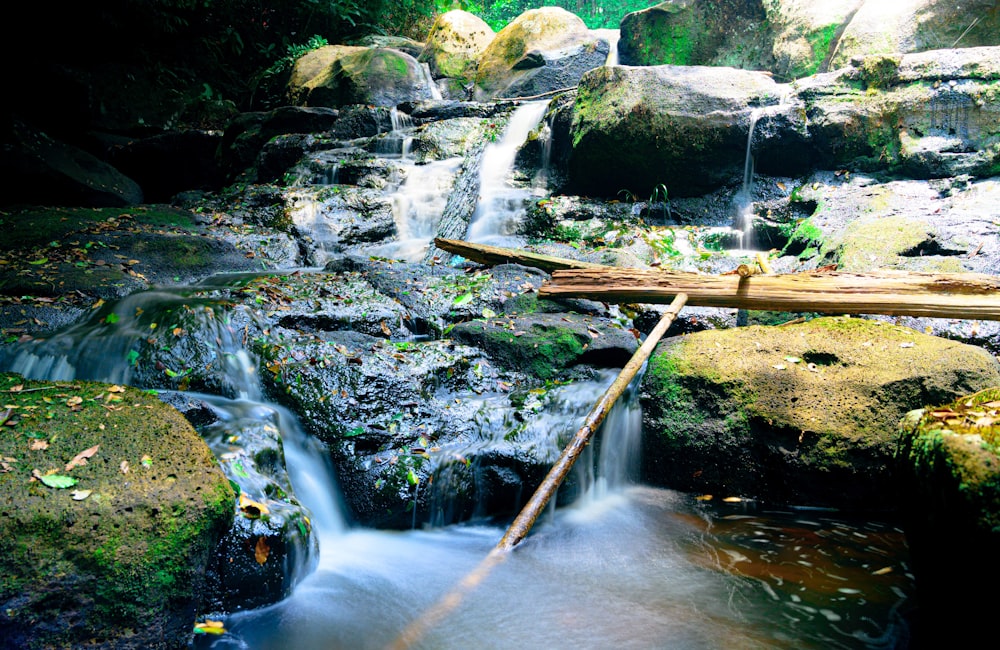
(744, 198)
(501, 205)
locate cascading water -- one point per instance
(744, 198)
(501, 205)
(625, 566)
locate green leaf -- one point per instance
(793, 359)
(39, 261)
(356, 431)
(111, 318)
(412, 477)
(132, 358)
(463, 300)
(59, 481)
(235, 486)
(239, 471)
(488, 313)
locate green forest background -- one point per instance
(230, 48)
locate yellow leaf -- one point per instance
(252, 509)
(39, 445)
(124, 467)
(73, 401)
(733, 500)
(80, 495)
(704, 497)
(261, 550)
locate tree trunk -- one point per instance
(894, 293)
(492, 255)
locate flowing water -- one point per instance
(501, 205)
(623, 566)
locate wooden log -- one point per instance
(492, 255)
(894, 293)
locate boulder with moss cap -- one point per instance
(116, 559)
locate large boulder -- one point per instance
(454, 44)
(36, 165)
(374, 76)
(807, 33)
(928, 115)
(682, 126)
(112, 506)
(539, 51)
(696, 32)
(917, 26)
(801, 414)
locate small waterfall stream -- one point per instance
(501, 205)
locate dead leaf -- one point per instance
(80, 495)
(733, 500)
(385, 329)
(39, 445)
(124, 467)
(261, 550)
(116, 389)
(74, 401)
(252, 509)
(81, 458)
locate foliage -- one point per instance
(597, 14)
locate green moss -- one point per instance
(131, 549)
(878, 242)
(880, 71)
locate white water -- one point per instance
(744, 198)
(501, 205)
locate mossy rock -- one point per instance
(454, 44)
(375, 76)
(117, 559)
(802, 414)
(544, 345)
(949, 457)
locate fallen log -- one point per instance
(492, 255)
(893, 293)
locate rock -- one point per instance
(539, 51)
(35, 165)
(544, 345)
(807, 34)
(455, 41)
(401, 43)
(800, 414)
(374, 76)
(118, 559)
(730, 33)
(927, 116)
(311, 65)
(168, 163)
(635, 128)
(917, 26)
(950, 469)
(339, 219)
(247, 135)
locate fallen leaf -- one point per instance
(116, 389)
(908, 344)
(882, 571)
(793, 359)
(124, 467)
(779, 366)
(385, 328)
(733, 499)
(80, 495)
(74, 401)
(81, 458)
(39, 445)
(146, 461)
(704, 497)
(261, 550)
(57, 481)
(252, 509)
(209, 627)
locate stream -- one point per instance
(624, 566)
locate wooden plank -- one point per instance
(492, 255)
(894, 293)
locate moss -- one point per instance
(130, 551)
(880, 70)
(878, 242)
